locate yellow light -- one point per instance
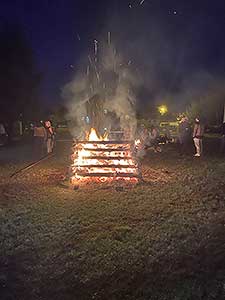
(162, 109)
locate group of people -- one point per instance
(44, 137)
(148, 138)
(184, 134)
(151, 138)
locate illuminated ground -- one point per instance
(164, 239)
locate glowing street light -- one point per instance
(162, 109)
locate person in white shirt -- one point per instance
(198, 133)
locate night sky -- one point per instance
(61, 31)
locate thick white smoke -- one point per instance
(109, 79)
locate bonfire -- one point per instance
(98, 159)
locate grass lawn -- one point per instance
(162, 239)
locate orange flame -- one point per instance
(92, 136)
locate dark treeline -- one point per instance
(19, 77)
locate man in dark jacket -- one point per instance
(39, 139)
(223, 138)
(183, 134)
(198, 133)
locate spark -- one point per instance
(142, 1)
(130, 6)
(88, 70)
(109, 37)
(78, 36)
(95, 68)
(96, 46)
(96, 50)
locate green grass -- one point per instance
(163, 239)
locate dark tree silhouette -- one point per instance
(19, 78)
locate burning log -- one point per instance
(112, 175)
(107, 150)
(106, 166)
(105, 142)
(107, 157)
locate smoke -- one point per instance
(102, 94)
(76, 94)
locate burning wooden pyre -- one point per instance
(98, 159)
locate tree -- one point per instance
(209, 105)
(19, 78)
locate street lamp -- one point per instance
(162, 109)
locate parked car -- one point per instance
(62, 125)
(215, 129)
(168, 131)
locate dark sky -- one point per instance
(60, 31)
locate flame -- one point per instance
(92, 136)
(96, 158)
(137, 142)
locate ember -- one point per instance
(98, 159)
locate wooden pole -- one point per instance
(31, 165)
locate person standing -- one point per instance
(3, 135)
(183, 135)
(153, 139)
(222, 147)
(198, 133)
(49, 137)
(39, 139)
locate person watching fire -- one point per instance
(50, 137)
(198, 133)
(184, 135)
(222, 145)
(39, 139)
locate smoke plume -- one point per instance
(105, 90)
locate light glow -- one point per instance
(162, 109)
